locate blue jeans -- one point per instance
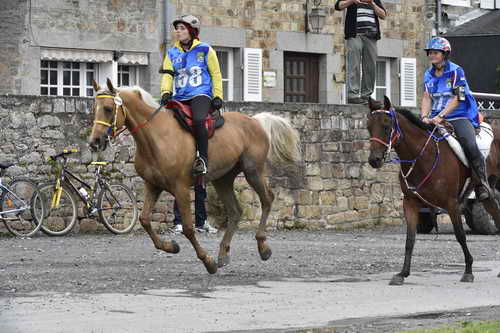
(200, 212)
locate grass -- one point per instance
(464, 327)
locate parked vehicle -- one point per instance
(113, 203)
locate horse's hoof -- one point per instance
(210, 265)
(223, 261)
(467, 278)
(266, 254)
(397, 280)
(175, 247)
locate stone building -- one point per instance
(55, 47)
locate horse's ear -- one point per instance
(96, 85)
(387, 103)
(110, 85)
(371, 103)
(138, 94)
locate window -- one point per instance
(48, 78)
(128, 75)
(382, 80)
(301, 77)
(462, 3)
(64, 78)
(225, 57)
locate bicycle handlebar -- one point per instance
(63, 154)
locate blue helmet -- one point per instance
(439, 44)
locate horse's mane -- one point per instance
(414, 119)
(144, 95)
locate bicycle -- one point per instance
(113, 204)
(20, 209)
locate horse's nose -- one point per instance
(96, 143)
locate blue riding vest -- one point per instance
(441, 91)
(191, 72)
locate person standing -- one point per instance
(192, 68)
(200, 213)
(362, 31)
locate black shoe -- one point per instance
(200, 166)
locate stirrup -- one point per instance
(200, 166)
(482, 193)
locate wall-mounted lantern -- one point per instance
(315, 18)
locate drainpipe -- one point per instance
(164, 28)
(438, 17)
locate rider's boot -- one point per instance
(478, 169)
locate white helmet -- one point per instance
(191, 20)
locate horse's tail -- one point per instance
(284, 139)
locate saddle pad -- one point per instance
(484, 139)
(184, 116)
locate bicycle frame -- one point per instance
(3, 189)
(66, 176)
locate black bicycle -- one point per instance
(21, 210)
(113, 204)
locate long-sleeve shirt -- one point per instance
(195, 72)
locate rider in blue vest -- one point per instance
(192, 68)
(447, 96)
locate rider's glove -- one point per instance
(165, 98)
(217, 103)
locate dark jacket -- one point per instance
(350, 19)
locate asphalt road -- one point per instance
(333, 281)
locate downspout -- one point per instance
(438, 17)
(164, 29)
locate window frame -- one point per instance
(387, 85)
(133, 71)
(60, 86)
(230, 71)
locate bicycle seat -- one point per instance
(5, 165)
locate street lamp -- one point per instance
(315, 20)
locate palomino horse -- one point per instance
(165, 153)
(431, 174)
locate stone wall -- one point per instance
(334, 187)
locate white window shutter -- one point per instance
(252, 75)
(497, 4)
(487, 4)
(409, 82)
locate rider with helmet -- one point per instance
(447, 96)
(193, 68)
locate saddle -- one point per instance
(484, 138)
(184, 116)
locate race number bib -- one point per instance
(192, 76)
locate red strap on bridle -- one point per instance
(394, 137)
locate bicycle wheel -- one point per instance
(60, 217)
(27, 210)
(117, 208)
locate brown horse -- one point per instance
(165, 153)
(431, 174)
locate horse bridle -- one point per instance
(112, 127)
(115, 131)
(395, 131)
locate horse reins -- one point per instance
(396, 133)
